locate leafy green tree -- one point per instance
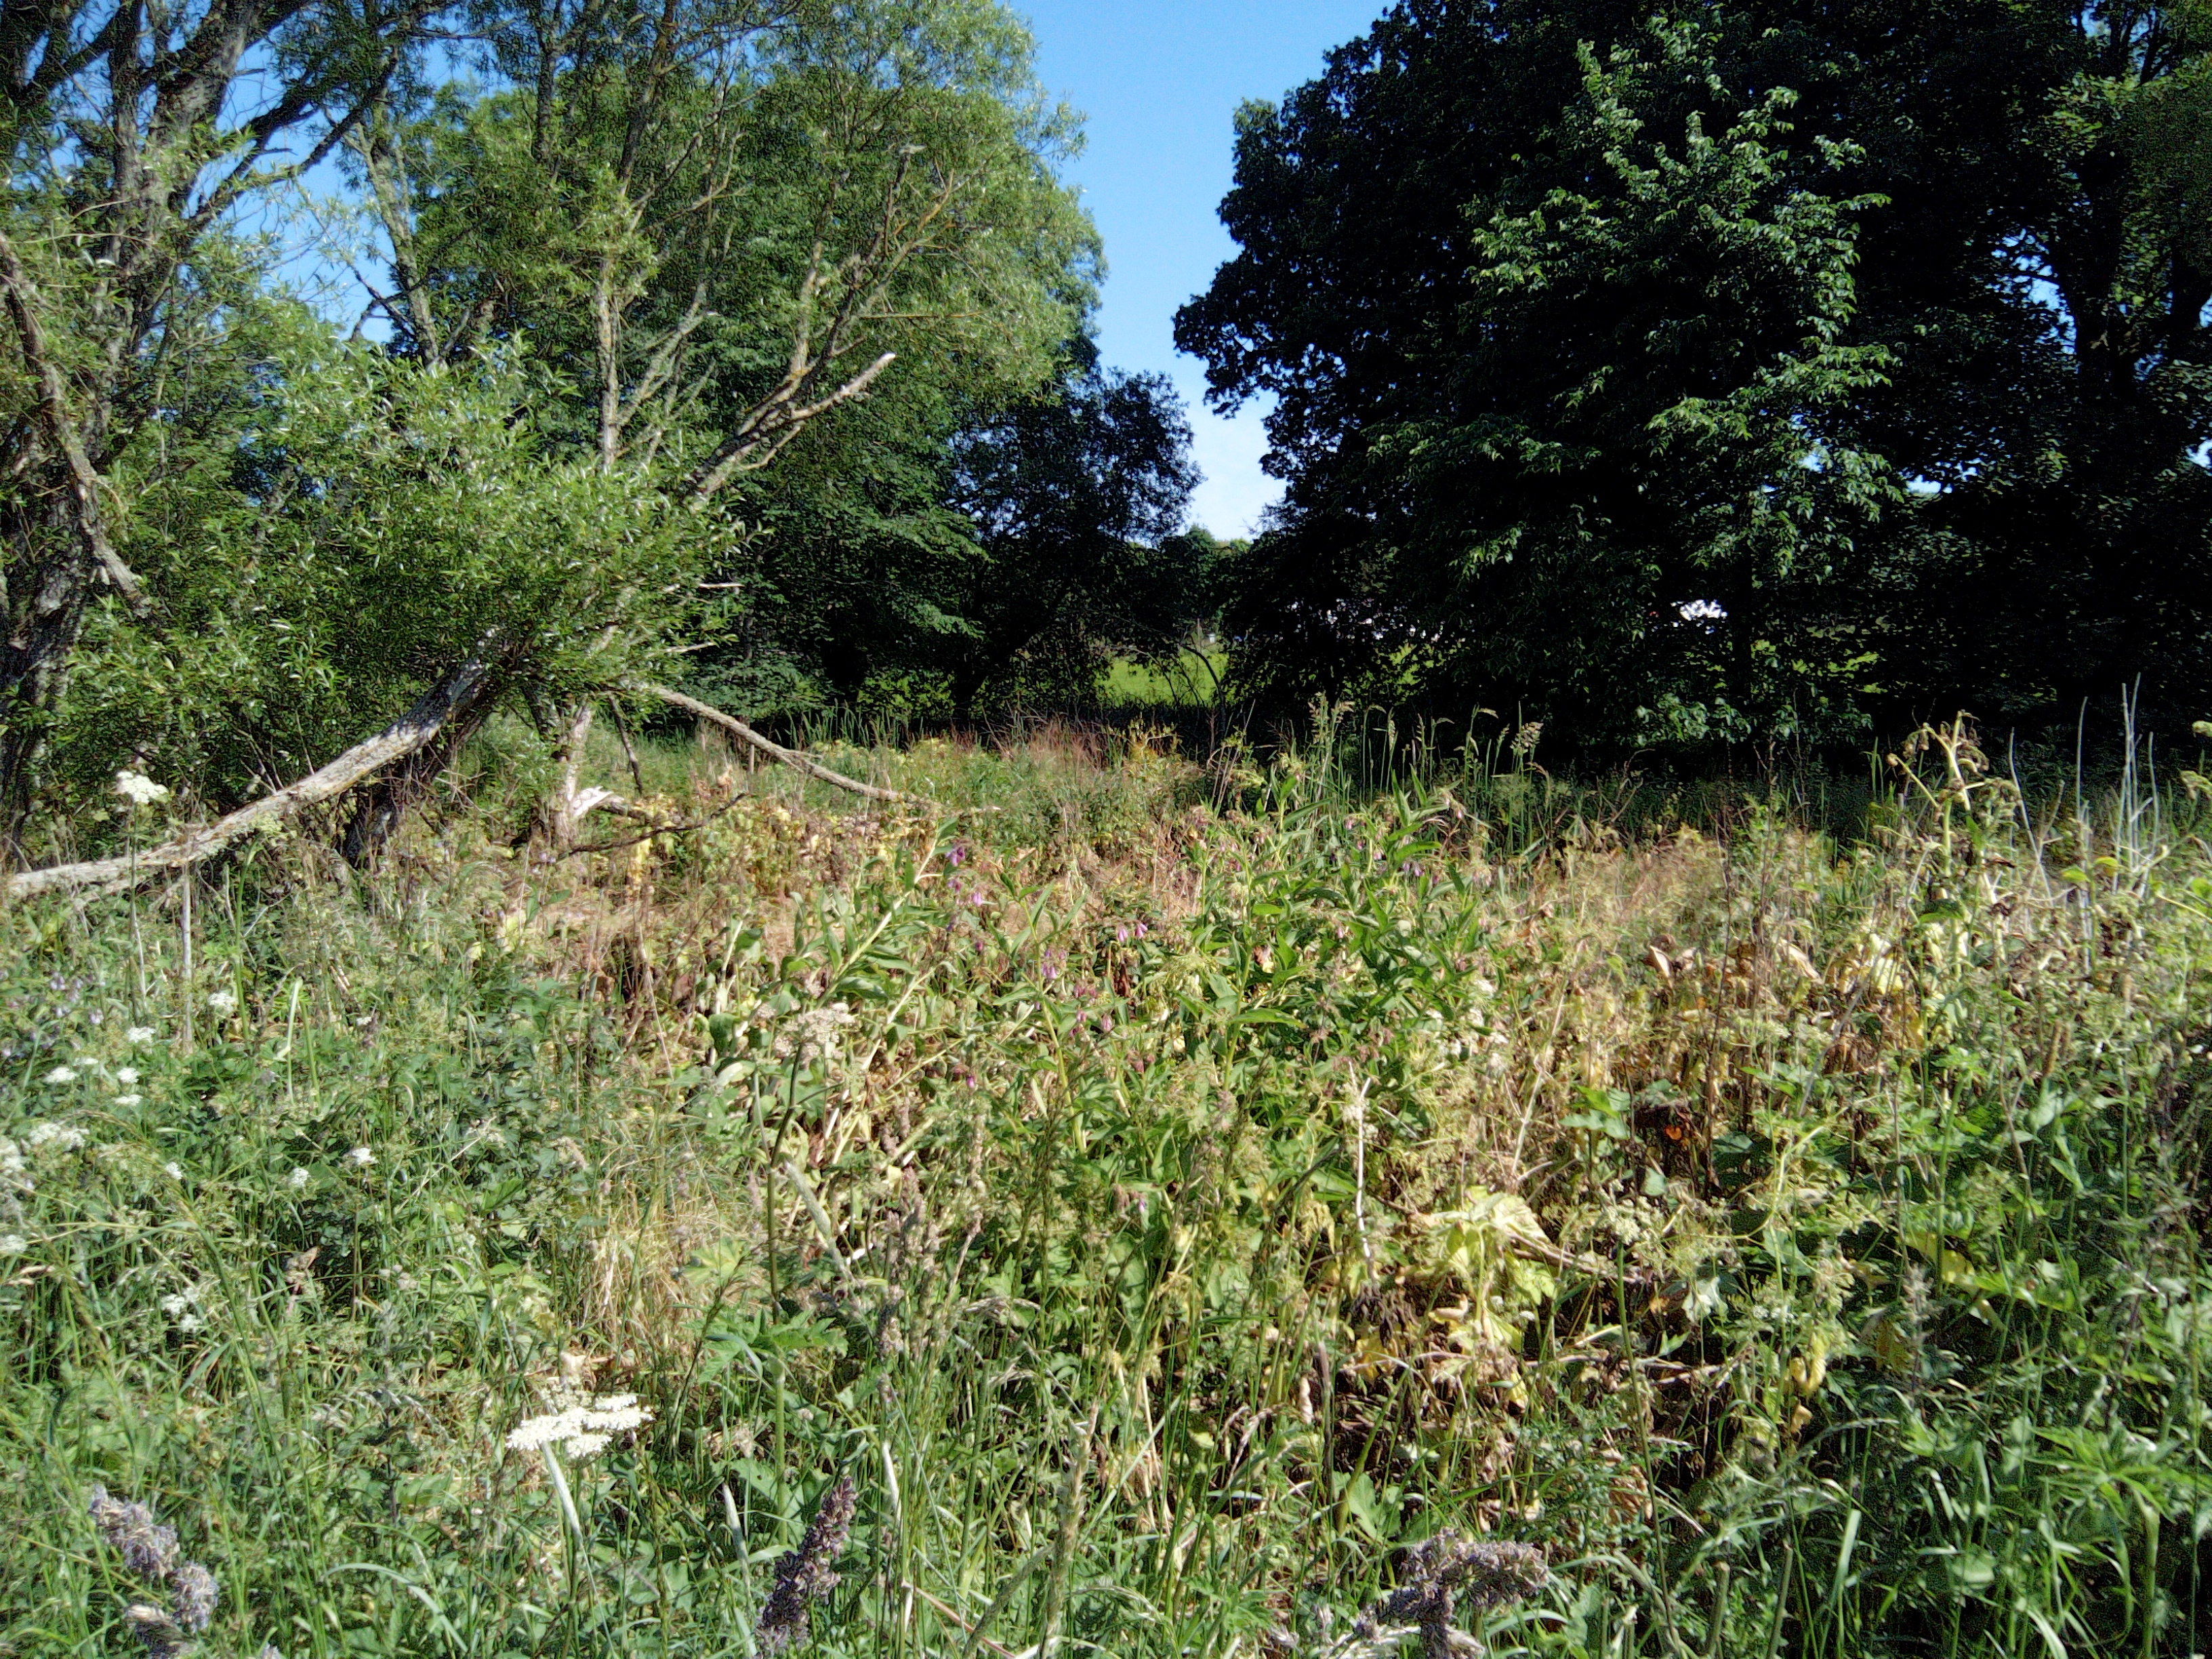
(134, 135)
(370, 523)
(649, 254)
(1599, 475)
(1955, 247)
(1077, 498)
(1009, 557)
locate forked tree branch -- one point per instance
(771, 424)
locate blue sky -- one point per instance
(1159, 80)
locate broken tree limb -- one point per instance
(776, 751)
(404, 737)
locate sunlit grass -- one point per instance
(1163, 1188)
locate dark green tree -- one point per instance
(1007, 555)
(1077, 498)
(1592, 467)
(1601, 350)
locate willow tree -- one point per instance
(134, 135)
(635, 257)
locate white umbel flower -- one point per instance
(582, 1430)
(138, 789)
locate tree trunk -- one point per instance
(44, 583)
(380, 811)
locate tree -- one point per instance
(709, 226)
(133, 135)
(1588, 465)
(655, 251)
(1008, 553)
(1529, 409)
(1077, 498)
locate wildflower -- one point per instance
(361, 1158)
(159, 1631)
(126, 1075)
(195, 1595)
(128, 1100)
(1437, 1572)
(139, 1034)
(13, 1244)
(138, 789)
(14, 1171)
(174, 1171)
(813, 1033)
(180, 1308)
(62, 1137)
(225, 1003)
(581, 1431)
(61, 1075)
(298, 1180)
(804, 1576)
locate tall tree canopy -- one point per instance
(1767, 368)
(644, 265)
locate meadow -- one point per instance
(1126, 1203)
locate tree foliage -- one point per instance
(635, 256)
(1756, 370)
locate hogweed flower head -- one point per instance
(138, 789)
(813, 1033)
(581, 1431)
(805, 1575)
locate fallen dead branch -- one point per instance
(398, 740)
(790, 757)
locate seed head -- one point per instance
(147, 1548)
(150, 1550)
(1440, 1569)
(195, 1595)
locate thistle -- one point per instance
(803, 1576)
(1437, 1572)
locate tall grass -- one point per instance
(1166, 1196)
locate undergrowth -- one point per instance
(1165, 1199)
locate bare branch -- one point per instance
(770, 427)
(776, 751)
(53, 404)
